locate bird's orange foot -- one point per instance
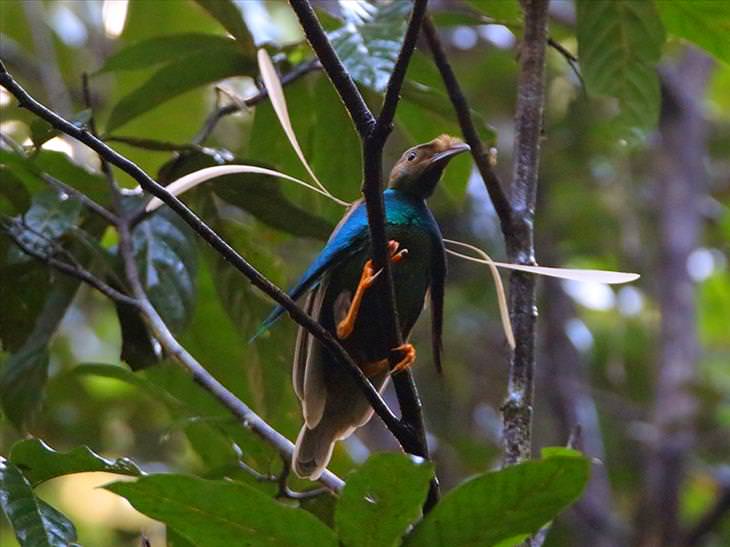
(409, 357)
(367, 278)
(374, 368)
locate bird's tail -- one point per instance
(313, 450)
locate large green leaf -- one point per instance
(183, 74)
(381, 499)
(166, 255)
(704, 22)
(619, 44)
(509, 504)
(39, 462)
(369, 42)
(163, 49)
(36, 523)
(217, 513)
(228, 15)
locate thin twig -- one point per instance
(223, 111)
(494, 186)
(89, 203)
(73, 270)
(25, 100)
(517, 408)
(571, 59)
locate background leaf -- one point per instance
(703, 22)
(163, 49)
(36, 523)
(510, 503)
(619, 44)
(381, 499)
(218, 514)
(183, 74)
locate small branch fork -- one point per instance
(374, 133)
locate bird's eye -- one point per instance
(411, 156)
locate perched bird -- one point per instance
(338, 281)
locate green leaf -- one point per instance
(22, 380)
(510, 503)
(619, 44)
(123, 375)
(14, 197)
(39, 462)
(703, 22)
(381, 499)
(163, 49)
(166, 255)
(183, 74)
(438, 103)
(368, 46)
(50, 216)
(505, 12)
(217, 513)
(228, 15)
(36, 523)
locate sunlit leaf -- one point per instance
(183, 74)
(369, 42)
(39, 462)
(381, 499)
(35, 522)
(217, 513)
(704, 22)
(228, 15)
(163, 49)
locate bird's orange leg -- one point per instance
(368, 277)
(376, 367)
(409, 357)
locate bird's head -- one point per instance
(419, 168)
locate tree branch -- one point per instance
(346, 88)
(401, 432)
(517, 408)
(494, 187)
(374, 134)
(223, 111)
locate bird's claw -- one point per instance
(409, 357)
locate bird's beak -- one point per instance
(450, 152)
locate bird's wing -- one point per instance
(436, 292)
(349, 237)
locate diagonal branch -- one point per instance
(402, 433)
(517, 408)
(468, 130)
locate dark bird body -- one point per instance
(332, 404)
